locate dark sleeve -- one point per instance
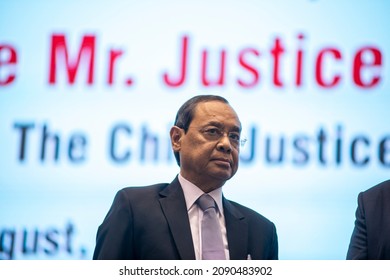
(358, 246)
(274, 254)
(114, 239)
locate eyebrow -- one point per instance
(221, 125)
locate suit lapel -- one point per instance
(237, 231)
(174, 207)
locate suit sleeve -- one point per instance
(358, 245)
(274, 255)
(114, 240)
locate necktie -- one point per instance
(212, 244)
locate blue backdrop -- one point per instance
(89, 90)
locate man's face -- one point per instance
(209, 150)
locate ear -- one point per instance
(176, 134)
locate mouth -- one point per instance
(222, 161)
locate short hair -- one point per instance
(186, 113)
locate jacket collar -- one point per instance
(174, 207)
(237, 231)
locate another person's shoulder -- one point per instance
(381, 189)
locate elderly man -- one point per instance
(190, 218)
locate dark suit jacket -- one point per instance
(371, 235)
(151, 223)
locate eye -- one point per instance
(213, 131)
(234, 136)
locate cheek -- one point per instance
(235, 158)
(193, 141)
(196, 150)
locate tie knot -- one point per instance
(205, 202)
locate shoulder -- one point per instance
(136, 198)
(375, 199)
(379, 190)
(143, 190)
(253, 217)
(138, 193)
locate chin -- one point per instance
(223, 176)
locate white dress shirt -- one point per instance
(195, 214)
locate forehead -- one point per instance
(215, 111)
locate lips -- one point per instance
(223, 161)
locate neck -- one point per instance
(209, 188)
(205, 185)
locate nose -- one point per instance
(224, 144)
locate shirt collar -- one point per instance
(193, 192)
